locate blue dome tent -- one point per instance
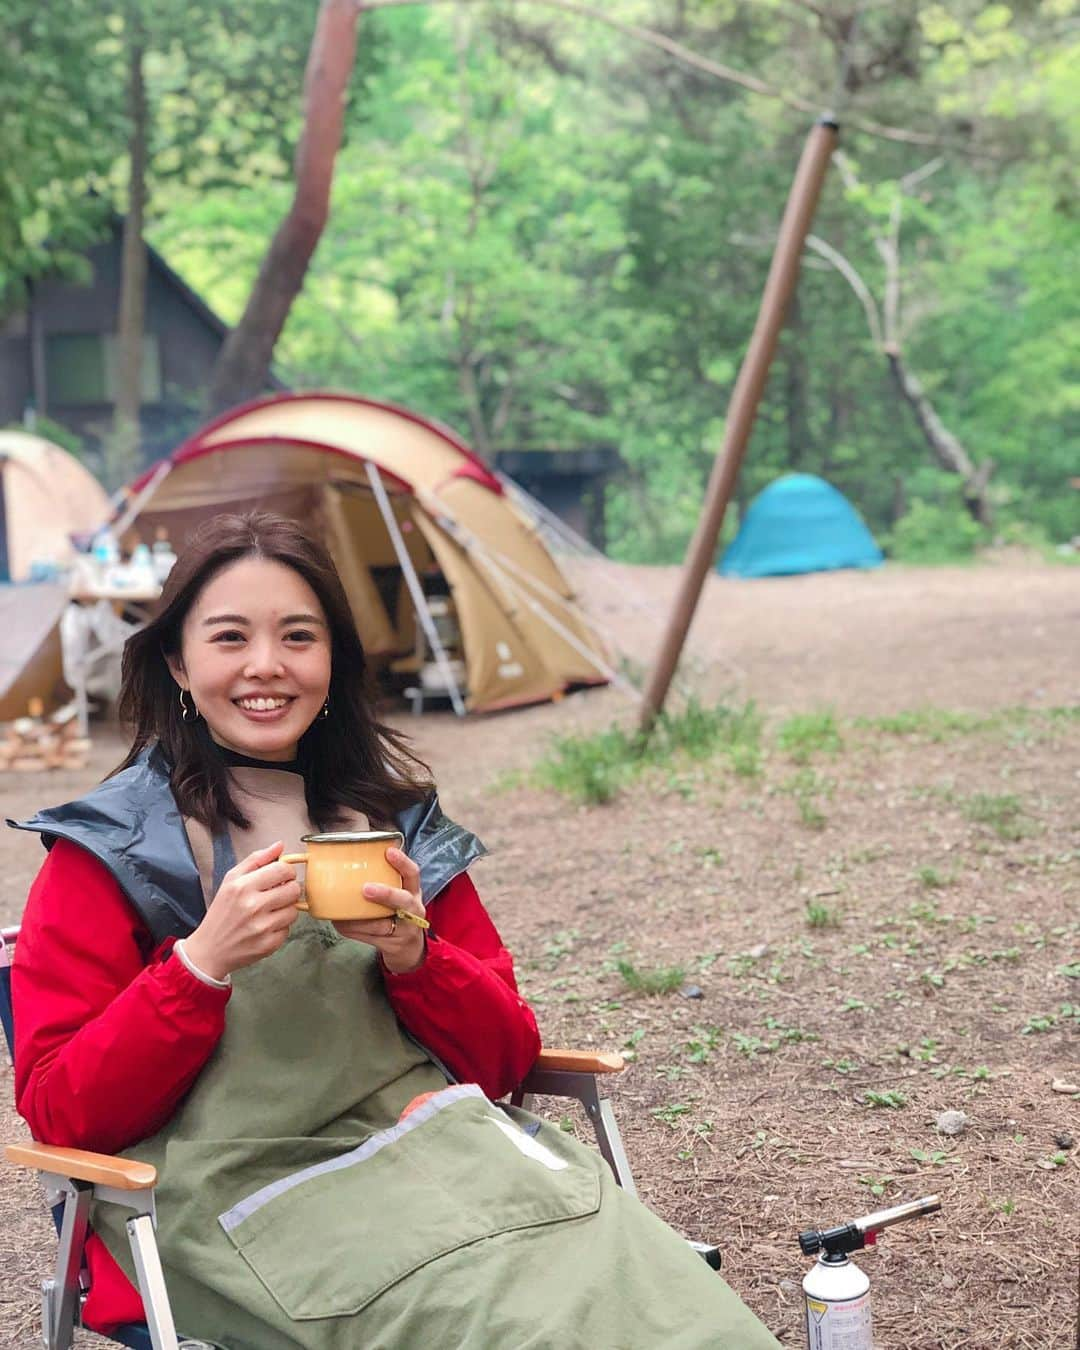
(799, 523)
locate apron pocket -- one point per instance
(326, 1241)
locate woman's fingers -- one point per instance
(393, 898)
(259, 858)
(410, 872)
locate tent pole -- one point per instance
(779, 287)
(415, 589)
(475, 549)
(135, 505)
(552, 596)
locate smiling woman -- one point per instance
(288, 1077)
(255, 658)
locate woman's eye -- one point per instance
(229, 636)
(300, 635)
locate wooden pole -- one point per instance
(745, 397)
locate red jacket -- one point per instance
(111, 1033)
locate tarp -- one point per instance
(523, 639)
(798, 524)
(46, 495)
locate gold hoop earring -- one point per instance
(188, 714)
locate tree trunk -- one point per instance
(243, 365)
(946, 449)
(122, 450)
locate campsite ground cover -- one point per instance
(874, 888)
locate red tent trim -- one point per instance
(476, 469)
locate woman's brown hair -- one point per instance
(349, 758)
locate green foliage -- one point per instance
(929, 533)
(590, 768)
(808, 734)
(548, 236)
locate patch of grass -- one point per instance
(700, 731)
(1003, 813)
(806, 786)
(932, 879)
(821, 916)
(662, 980)
(594, 768)
(933, 724)
(808, 734)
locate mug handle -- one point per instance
(295, 858)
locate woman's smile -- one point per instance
(264, 707)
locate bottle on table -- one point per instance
(163, 555)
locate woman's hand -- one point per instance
(250, 916)
(402, 945)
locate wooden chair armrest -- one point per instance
(125, 1174)
(579, 1061)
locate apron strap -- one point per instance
(224, 858)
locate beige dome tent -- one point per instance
(45, 496)
(450, 585)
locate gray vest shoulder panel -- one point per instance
(132, 825)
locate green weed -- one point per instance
(821, 916)
(876, 1185)
(662, 980)
(932, 879)
(1003, 814)
(671, 1113)
(704, 1042)
(592, 768)
(806, 786)
(936, 1157)
(807, 734)
(891, 1101)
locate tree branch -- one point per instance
(854, 280)
(688, 57)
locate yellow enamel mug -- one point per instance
(337, 867)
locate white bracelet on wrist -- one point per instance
(181, 951)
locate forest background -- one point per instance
(549, 234)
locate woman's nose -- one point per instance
(263, 660)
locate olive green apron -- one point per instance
(295, 1209)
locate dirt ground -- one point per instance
(878, 924)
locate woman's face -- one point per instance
(255, 658)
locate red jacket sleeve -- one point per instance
(105, 1044)
(462, 1002)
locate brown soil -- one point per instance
(802, 1087)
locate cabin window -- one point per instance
(80, 368)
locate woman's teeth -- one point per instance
(261, 704)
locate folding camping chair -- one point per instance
(74, 1179)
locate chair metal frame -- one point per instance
(75, 1178)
